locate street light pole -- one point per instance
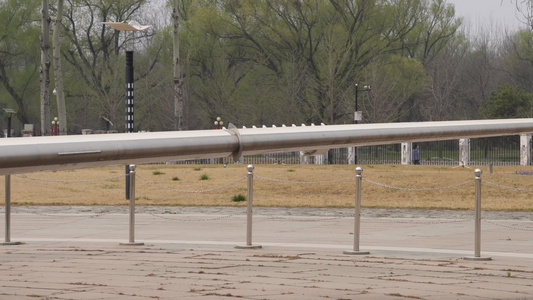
(10, 113)
(7, 179)
(55, 126)
(129, 92)
(129, 82)
(9, 126)
(358, 115)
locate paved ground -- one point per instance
(189, 253)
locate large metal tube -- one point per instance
(25, 155)
(306, 138)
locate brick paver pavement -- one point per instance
(192, 256)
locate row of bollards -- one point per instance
(249, 213)
(249, 210)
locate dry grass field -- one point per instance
(177, 185)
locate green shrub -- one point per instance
(204, 177)
(175, 178)
(238, 198)
(158, 173)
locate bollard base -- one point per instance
(131, 244)
(353, 252)
(249, 247)
(477, 258)
(11, 243)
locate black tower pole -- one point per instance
(9, 126)
(129, 108)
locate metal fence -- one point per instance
(502, 151)
(499, 151)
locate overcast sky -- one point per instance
(478, 13)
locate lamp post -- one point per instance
(218, 123)
(10, 112)
(358, 116)
(55, 126)
(129, 81)
(58, 130)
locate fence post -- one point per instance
(352, 153)
(477, 247)
(249, 211)
(525, 149)
(304, 159)
(464, 152)
(8, 213)
(321, 159)
(407, 156)
(357, 214)
(132, 208)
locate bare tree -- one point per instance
(58, 70)
(444, 94)
(178, 78)
(482, 69)
(524, 10)
(45, 70)
(395, 81)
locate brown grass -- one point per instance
(59, 188)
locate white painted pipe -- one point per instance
(25, 155)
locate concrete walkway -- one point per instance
(192, 255)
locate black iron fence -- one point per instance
(499, 151)
(441, 153)
(503, 151)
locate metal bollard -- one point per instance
(357, 214)
(132, 208)
(249, 211)
(8, 213)
(477, 247)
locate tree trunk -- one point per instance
(45, 70)
(178, 78)
(58, 71)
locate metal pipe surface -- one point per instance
(8, 208)
(477, 247)
(132, 203)
(357, 214)
(249, 208)
(477, 242)
(132, 209)
(26, 155)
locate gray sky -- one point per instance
(478, 13)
